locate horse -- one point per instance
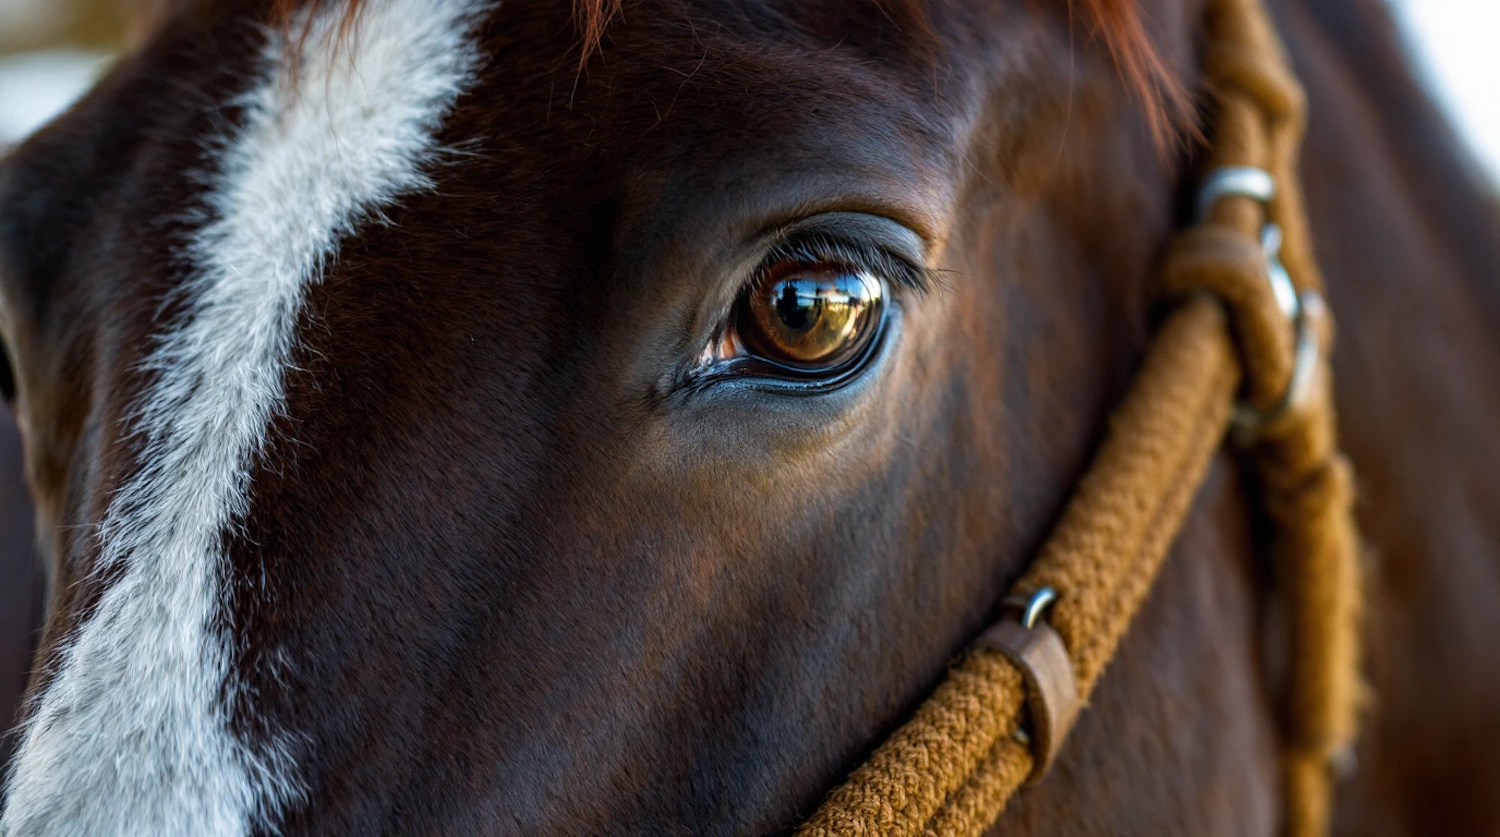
(457, 417)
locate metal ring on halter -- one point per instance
(1030, 607)
(1235, 181)
(1304, 310)
(1250, 421)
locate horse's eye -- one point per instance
(808, 317)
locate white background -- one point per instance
(1457, 47)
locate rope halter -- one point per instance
(1243, 354)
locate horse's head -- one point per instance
(435, 431)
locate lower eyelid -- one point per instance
(753, 370)
(733, 375)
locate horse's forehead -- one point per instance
(683, 112)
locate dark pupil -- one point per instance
(814, 316)
(797, 305)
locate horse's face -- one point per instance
(432, 436)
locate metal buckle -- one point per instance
(1304, 310)
(1037, 651)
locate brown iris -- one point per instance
(809, 317)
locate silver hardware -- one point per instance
(1235, 181)
(1304, 310)
(1281, 281)
(1031, 607)
(1249, 421)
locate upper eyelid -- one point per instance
(818, 245)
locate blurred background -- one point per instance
(52, 50)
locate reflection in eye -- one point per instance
(808, 317)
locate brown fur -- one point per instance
(1118, 23)
(524, 586)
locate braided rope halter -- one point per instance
(1243, 355)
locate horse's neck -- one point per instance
(1410, 245)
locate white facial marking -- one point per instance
(132, 734)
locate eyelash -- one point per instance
(813, 247)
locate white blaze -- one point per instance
(132, 735)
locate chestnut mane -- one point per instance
(1118, 23)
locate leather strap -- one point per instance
(1052, 702)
